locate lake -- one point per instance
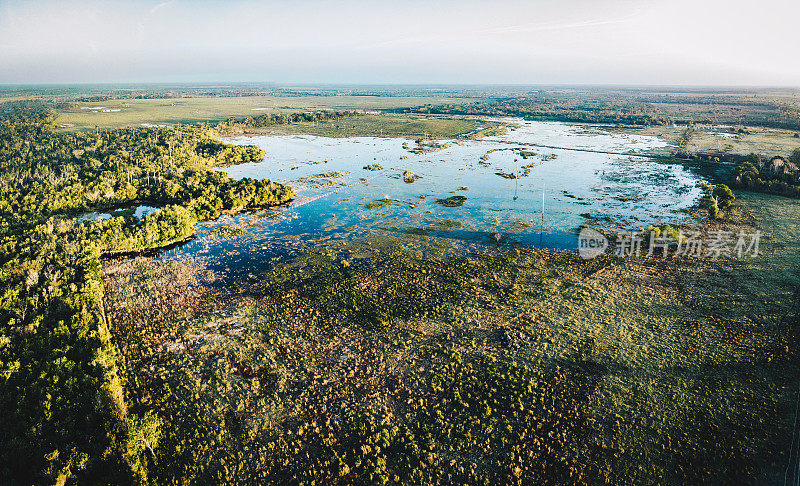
(494, 191)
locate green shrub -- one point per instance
(664, 231)
(723, 195)
(713, 208)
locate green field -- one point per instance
(191, 110)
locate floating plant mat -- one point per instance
(351, 188)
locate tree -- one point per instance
(144, 433)
(723, 195)
(713, 208)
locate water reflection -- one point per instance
(499, 191)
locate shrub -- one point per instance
(713, 208)
(723, 195)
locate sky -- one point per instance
(633, 42)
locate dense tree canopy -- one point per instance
(64, 415)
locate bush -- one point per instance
(713, 208)
(664, 231)
(723, 195)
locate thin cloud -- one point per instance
(511, 29)
(159, 7)
(547, 27)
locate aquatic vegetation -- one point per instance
(507, 175)
(628, 198)
(449, 224)
(228, 231)
(358, 293)
(324, 179)
(410, 176)
(378, 203)
(443, 175)
(452, 201)
(387, 362)
(525, 172)
(324, 175)
(518, 225)
(484, 160)
(424, 146)
(238, 375)
(375, 166)
(438, 227)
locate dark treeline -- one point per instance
(632, 108)
(753, 177)
(540, 108)
(64, 415)
(234, 126)
(103, 92)
(270, 119)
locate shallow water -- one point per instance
(337, 199)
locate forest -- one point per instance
(65, 416)
(637, 107)
(753, 177)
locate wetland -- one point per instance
(336, 298)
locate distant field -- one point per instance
(192, 110)
(765, 141)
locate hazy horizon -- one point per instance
(221, 83)
(575, 42)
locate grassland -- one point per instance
(397, 366)
(756, 140)
(214, 109)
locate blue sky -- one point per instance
(693, 42)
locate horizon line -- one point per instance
(223, 83)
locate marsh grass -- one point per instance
(377, 362)
(452, 201)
